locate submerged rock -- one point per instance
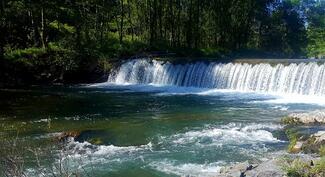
(305, 118)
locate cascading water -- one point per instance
(303, 78)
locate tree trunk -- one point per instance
(42, 29)
(2, 29)
(122, 22)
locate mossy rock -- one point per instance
(290, 121)
(96, 141)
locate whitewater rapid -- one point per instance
(234, 136)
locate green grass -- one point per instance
(293, 138)
(301, 168)
(31, 52)
(321, 151)
(289, 121)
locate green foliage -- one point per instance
(213, 51)
(319, 168)
(316, 45)
(322, 151)
(301, 168)
(297, 168)
(24, 54)
(293, 138)
(316, 29)
(62, 27)
(289, 121)
(79, 34)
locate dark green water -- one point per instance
(129, 131)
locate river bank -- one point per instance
(40, 70)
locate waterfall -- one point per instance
(302, 78)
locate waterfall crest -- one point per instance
(302, 78)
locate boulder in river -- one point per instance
(315, 117)
(96, 137)
(64, 136)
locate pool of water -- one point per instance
(145, 130)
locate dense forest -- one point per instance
(65, 40)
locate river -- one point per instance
(159, 119)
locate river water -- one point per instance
(152, 129)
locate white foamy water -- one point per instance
(80, 149)
(303, 78)
(228, 134)
(295, 98)
(191, 169)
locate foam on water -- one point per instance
(191, 169)
(295, 99)
(226, 94)
(245, 139)
(167, 90)
(228, 134)
(79, 149)
(234, 134)
(281, 108)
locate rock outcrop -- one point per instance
(306, 118)
(268, 168)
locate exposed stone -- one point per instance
(268, 168)
(65, 135)
(234, 170)
(297, 147)
(306, 118)
(319, 137)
